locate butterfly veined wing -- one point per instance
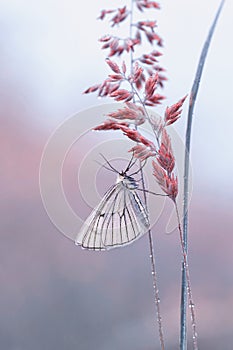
(119, 219)
(91, 234)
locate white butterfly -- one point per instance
(119, 219)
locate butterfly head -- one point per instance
(127, 181)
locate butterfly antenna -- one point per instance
(141, 167)
(131, 163)
(104, 166)
(112, 168)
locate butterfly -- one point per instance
(119, 219)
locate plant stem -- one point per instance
(188, 281)
(154, 275)
(156, 290)
(193, 95)
(131, 34)
(151, 248)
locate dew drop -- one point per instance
(191, 305)
(194, 336)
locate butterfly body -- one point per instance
(127, 181)
(119, 219)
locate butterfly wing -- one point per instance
(119, 219)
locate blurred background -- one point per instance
(55, 295)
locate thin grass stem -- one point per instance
(151, 248)
(188, 282)
(193, 96)
(154, 275)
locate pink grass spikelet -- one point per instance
(156, 53)
(165, 155)
(92, 89)
(121, 95)
(140, 81)
(151, 36)
(104, 89)
(105, 38)
(141, 4)
(137, 72)
(168, 184)
(111, 125)
(113, 65)
(113, 87)
(130, 111)
(146, 61)
(138, 37)
(150, 24)
(105, 46)
(137, 137)
(142, 152)
(120, 50)
(114, 44)
(115, 77)
(123, 67)
(172, 186)
(174, 112)
(104, 13)
(154, 100)
(129, 45)
(121, 15)
(151, 85)
(118, 46)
